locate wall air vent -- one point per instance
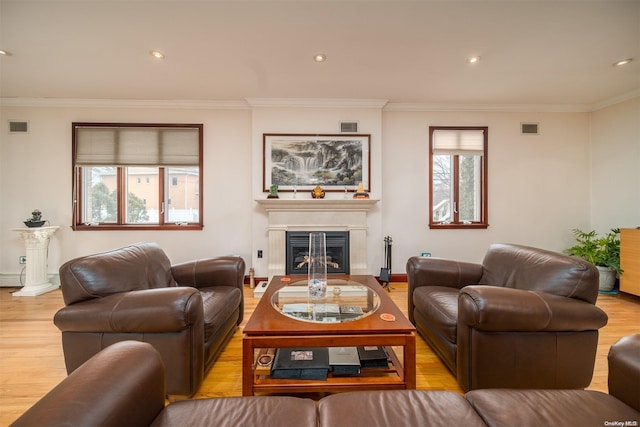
(348, 126)
(16, 126)
(529, 128)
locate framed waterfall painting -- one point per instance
(300, 162)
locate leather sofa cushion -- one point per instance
(132, 268)
(439, 304)
(533, 269)
(239, 411)
(396, 408)
(219, 303)
(508, 408)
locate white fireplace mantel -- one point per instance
(317, 215)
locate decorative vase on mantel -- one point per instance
(317, 276)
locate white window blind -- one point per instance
(137, 146)
(458, 141)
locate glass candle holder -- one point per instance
(317, 265)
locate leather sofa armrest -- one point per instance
(494, 308)
(87, 398)
(624, 370)
(427, 271)
(204, 273)
(149, 311)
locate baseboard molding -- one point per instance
(13, 280)
(392, 278)
(398, 278)
(16, 280)
(10, 280)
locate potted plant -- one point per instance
(601, 251)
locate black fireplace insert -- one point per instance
(297, 243)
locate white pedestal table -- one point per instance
(36, 240)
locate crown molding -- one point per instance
(511, 108)
(249, 103)
(616, 100)
(316, 103)
(500, 108)
(123, 103)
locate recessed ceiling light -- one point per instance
(622, 62)
(5, 53)
(320, 57)
(156, 54)
(473, 59)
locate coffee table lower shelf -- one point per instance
(392, 378)
(330, 385)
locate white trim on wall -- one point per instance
(249, 103)
(123, 103)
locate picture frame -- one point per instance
(300, 162)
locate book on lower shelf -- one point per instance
(301, 363)
(344, 361)
(373, 356)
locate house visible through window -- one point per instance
(125, 176)
(458, 177)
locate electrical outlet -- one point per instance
(22, 259)
(259, 253)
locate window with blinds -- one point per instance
(137, 176)
(458, 177)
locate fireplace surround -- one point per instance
(316, 215)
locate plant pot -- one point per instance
(607, 278)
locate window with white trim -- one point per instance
(137, 176)
(458, 177)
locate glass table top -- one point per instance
(346, 301)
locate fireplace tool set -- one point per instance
(385, 272)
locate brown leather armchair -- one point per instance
(524, 318)
(188, 311)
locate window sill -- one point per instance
(137, 227)
(475, 226)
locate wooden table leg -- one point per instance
(410, 362)
(247, 366)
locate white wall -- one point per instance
(539, 186)
(36, 173)
(323, 120)
(615, 166)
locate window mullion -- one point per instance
(456, 189)
(122, 196)
(78, 199)
(162, 196)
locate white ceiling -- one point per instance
(533, 52)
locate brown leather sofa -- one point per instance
(187, 311)
(115, 389)
(524, 318)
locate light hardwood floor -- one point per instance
(32, 362)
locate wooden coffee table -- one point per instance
(269, 328)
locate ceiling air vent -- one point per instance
(16, 126)
(529, 128)
(348, 126)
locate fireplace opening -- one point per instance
(297, 252)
